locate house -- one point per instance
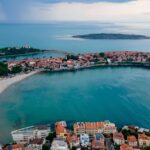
(144, 140)
(94, 127)
(60, 128)
(142, 130)
(59, 144)
(133, 128)
(79, 128)
(125, 147)
(35, 144)
(125, 128)
(91, 127)
(109, 128)
(73, 140)
(132, 141)
(118, 138)
(84, 140)
(98, 142)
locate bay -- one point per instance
(120, 95)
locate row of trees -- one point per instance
(4, 71)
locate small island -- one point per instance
(112, 36)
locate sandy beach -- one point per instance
(6, 82)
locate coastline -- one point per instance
(6, 82)
(73, 63)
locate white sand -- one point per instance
(6, 82)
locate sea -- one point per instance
(118, 94)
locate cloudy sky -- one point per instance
(118, 11)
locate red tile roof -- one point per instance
(131, 138)
(126, 147)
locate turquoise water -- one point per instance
(120, 95)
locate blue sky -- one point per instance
(43, 11)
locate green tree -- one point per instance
(16, 69)
(74, 57)
(102, 54)
(3, 69)
(51, 136)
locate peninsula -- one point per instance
(14, 71)
(112, 36)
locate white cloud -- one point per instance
(133, 11)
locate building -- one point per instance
(144, 140)
(25, 134)
(79, 128)
(73, 140)
(142, 130)
(60, 128)
(35, 144)
(94, 127)
(118, 138)
(84, 140)
(109, 128)
(125, 147)
(132, 141)
(59, 144)
(98, 142)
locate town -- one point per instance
(102, 135)
(80, 61)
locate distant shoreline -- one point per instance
(36, 53)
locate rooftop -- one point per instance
(131, 138)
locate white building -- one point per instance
(84, 140)
(118, 138)
(25, 134)
(59, 144)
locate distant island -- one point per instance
(112, 36)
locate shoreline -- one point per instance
(36, 53)
(7, 82)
